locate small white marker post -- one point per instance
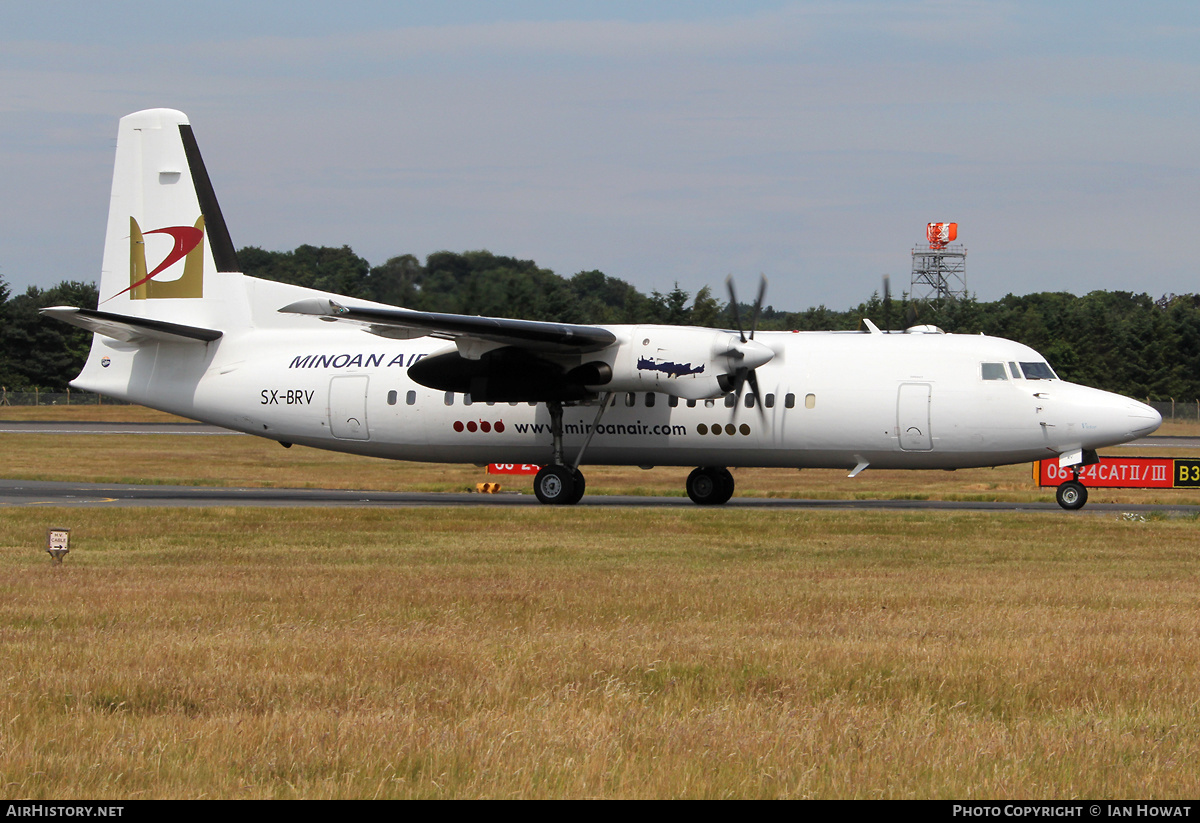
(58, 543)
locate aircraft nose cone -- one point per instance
(1143, 419)
(1115, 419)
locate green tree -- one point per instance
(42, 352)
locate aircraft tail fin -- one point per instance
(173, 301)
(167, 251)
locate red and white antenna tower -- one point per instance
(939, 272)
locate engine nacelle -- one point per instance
(677, 360)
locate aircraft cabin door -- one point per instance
(348, 407)
(912, 417)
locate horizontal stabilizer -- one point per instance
(533, 335)
(130, 329)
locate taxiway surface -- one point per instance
(52, 493)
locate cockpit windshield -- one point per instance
(1038, 371)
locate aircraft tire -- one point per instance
(707, 486)
(580, 485)
(555, 485)
(726, 485)
(1071, 495)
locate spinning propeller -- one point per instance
(910, 313)
(749, 354)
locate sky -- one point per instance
(660, 142)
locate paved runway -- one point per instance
(87, 495)
(49, 493)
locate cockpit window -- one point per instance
(1012, 367)
(993, 371)
(1038, 371)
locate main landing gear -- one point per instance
(561, 485)
(710, 486)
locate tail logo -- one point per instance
(188, 246)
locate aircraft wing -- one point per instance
(531, 335)
(130, 329)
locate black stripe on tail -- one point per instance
(219, 241)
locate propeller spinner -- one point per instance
(748, 353)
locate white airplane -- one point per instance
(179, 328)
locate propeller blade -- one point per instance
(758, 301)
(739, 383)
(910, 315)
(887, 302)
(753, 354)
(733, 303)
(758, 399)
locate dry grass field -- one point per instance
(450, 653)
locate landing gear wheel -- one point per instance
(555, 485)
(580, 485)
(726, 485)
(1071, 495)
(559, 485)
(710, 486)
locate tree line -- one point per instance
(1129, 343)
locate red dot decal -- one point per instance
(458, 426)
(499, 426)
(471, 425)
(486, 426)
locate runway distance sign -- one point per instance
(1125, 473)
(512, 468)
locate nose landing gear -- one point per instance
(1071, 495)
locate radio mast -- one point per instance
(939, 271)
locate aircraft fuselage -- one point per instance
(830, 400)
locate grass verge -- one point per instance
(571, 653)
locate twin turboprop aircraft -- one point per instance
(179, 328)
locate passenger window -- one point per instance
(709, 403)
(649, 399)
(749, 400)
(993, 371)
(467, 399)
(411, 398)
(769, 401)
(730, 401)
(672, 401)
(391, 398)
(691, 404)
(810, 401)
(630, 398)
(789, 400)
(449, 398)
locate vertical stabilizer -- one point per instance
(167, 252)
